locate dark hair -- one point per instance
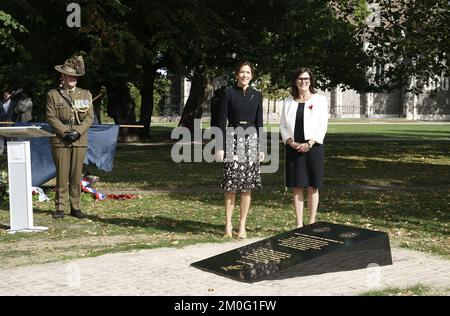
(295, 74)
(241, 64)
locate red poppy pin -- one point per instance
(310, 107)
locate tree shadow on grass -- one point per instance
(407, 173)
(40, 211)
(162, 223)
(4, 207)
(4, 227)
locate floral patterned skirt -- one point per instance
(241, 168)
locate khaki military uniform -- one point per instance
(67, 112)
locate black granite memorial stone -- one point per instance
(314, 249)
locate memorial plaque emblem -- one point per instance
(348, 235)
(322, 229)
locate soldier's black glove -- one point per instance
(71, 136)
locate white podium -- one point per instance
(19, 176)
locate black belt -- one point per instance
(242, 123)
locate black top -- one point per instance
(237, 106)
(299, 132)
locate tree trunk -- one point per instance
(97, 103)
(121, 108)
(197, 96)
(147, 91)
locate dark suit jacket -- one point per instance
(8, 116)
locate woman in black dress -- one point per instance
(241, 106)
(303, 126)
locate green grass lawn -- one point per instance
(339, 128)
(411, 164)
(413, 208)
(418, 290)
(407, 131)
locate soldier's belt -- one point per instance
(68, 122)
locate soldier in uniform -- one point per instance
(70, 112)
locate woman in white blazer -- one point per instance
(303, 126)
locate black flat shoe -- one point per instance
(58, 214)
(77, 214)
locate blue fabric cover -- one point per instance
(102, 141)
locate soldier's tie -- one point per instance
(70, 94)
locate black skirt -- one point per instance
(305, 169)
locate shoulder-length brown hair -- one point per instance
(297, 72)
(241, 64)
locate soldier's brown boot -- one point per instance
(58, 214)
(77, 214)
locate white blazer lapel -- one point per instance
(292, 116)
(307, 115)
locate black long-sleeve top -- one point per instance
(238, 106)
